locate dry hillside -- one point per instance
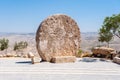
(88, 41)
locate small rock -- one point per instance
(30, 55)
(9, 55)
(35, 60)
(1, 56)
(116, 60)
(4, 55)
(19, 55)
(15, 55)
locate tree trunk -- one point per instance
(6, 51)
(117, 35)
(108, 45)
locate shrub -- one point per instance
(20, 45)
(3, 44)
(79, 53)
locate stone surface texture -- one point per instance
(58, 35)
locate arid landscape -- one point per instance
(14, 68)
(59, 40)
(88, 41)
(15, 37)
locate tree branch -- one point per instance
(117, 35)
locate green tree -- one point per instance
(4, 44)
(20, 45)
(112, 24)
(110, 28)
(105, 35)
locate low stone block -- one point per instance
(63, 59)
(35, 60)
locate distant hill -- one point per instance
(6, 34)
(88, 40)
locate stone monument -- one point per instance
(58, 39)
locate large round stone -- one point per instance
(58, 35)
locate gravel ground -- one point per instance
(22, 69)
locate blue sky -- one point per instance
(24, 16)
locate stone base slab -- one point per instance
(63, 59)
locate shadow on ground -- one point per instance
(87, 59)
(24, 62)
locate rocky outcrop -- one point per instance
(58, 35)
(103, 52)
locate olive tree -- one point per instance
(110, 28)
(104, 35)
(112, 25)
(4, 44)
(20, 45)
